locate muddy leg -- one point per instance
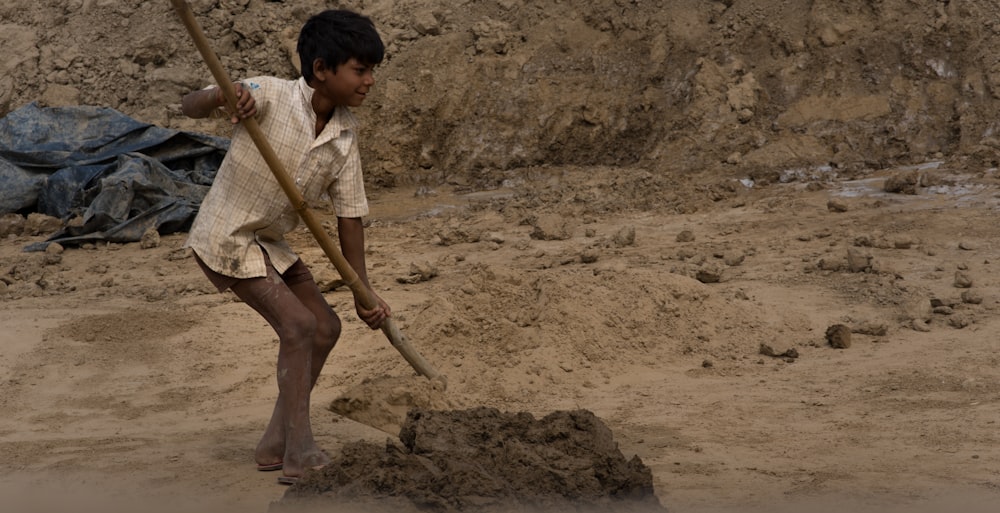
(271, 448)
(289, 437)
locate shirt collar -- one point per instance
(343, 118)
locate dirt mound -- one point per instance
(482, 460)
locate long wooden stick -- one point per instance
(359, 289)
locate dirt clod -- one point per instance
(839, 336)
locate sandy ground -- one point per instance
(127, 378)
(651, 210)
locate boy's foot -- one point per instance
(290, 480)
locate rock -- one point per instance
(426, 24)
(550, 227)
(830, 264)
(685, 236)
(858, 261)
(588, 256)
(918, 309)
(839, 336)
(58, 95)
(902, 183)
(150, 239)
(37, 224)
(686, 253)
(624, 237)
(327, 279)
(903, 242)
(11, 224)
(709, 275)
(874, 329)
(971, 298)
(419, 272)
(836, 205)
(958, 321)
(733, 259)
(767, 350)
(454, 235)
(962, 280)
(494, 237)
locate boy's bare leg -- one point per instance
(307, 330)
(271, 448)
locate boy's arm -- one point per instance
(204, 102)
(352, 244)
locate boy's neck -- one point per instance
(323, 107)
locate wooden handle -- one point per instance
(358, 288)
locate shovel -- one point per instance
(350, 277)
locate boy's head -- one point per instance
(336, 36)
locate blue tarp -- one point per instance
(122, 176)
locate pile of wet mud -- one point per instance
(485, 461)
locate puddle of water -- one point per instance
(873, 187)
(408, 203)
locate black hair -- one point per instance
(337, 36)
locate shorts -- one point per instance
(297, 273)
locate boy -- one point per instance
(237, 237)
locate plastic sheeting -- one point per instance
(120, 176)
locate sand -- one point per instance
(651, 213)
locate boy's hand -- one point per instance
(246, 106)
(373, 318)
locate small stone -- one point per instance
(11, 224)
(686, 253)
(37, 224)
(493, 237)
(836, 205)
(839, 336)
(958, 321)
(733, 259)
(830, 264)
(551, 227)
(871, 328)
(858, 261)
(962, 280)
(625, 237)
(588, 256)
(685, 236)
(150, 239)
(971, 298)
(902, 243)
(708, 275)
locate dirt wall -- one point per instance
(473, 89)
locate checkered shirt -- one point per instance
(246, 209)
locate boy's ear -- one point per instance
(318, 67)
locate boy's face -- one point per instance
(348, 85)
